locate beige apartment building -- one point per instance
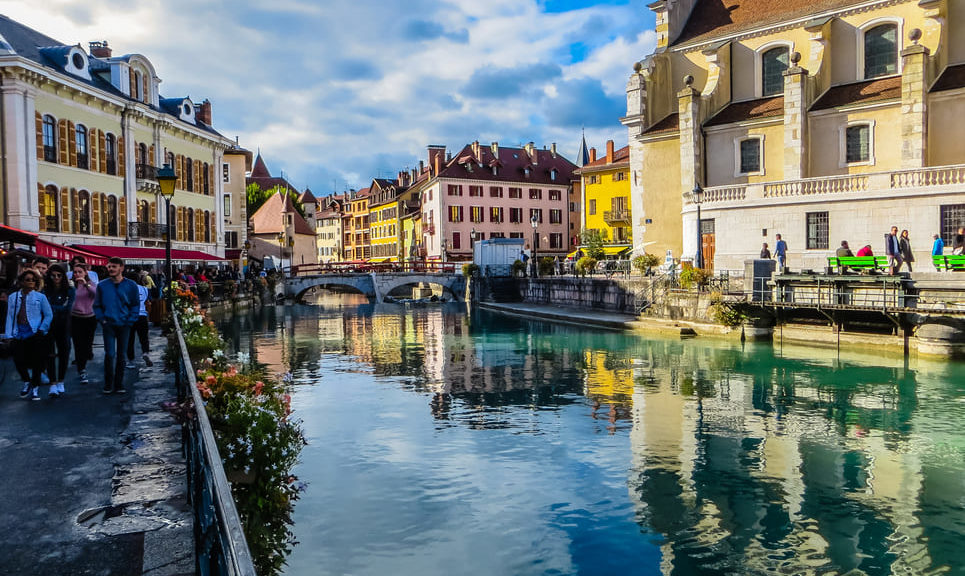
(822, 121)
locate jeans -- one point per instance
(58, 355)
(115, 345)
(140, 330)
(29, 357)
(82, 329)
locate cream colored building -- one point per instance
(821, 122)
(83, 135)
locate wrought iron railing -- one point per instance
(146, 172)
(220, 545)
(616, 216)
(145, 230)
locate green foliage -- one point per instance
(645, 262)
(691, 277)
(204, 291)
(593, 240)
(585, 265)
(469, 269)
(255, 197)
(519, 268)
(547, 266)
(727, 314)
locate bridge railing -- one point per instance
(429, 267)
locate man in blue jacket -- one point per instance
(116, 306)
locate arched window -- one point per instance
(144, 211)
(50, 138)
(110, 215)
(190, 224)
(207, 227)
(110, 151)
(881, 51)
(189, 174)
(136, 90)
(80, 142)
(773, 64)
(206, 185)
(49, 209)
(142, 158)
(83, 209)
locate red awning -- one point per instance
(148, 254)
(11, 234)
(65, 253)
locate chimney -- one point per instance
(100, 49)
(203, 112)
(592, 154)
(415, 174)
(436, 154)
(553, 149)
(609, 151)
(495, 148)
(532, 152)
(422, 167)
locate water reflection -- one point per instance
(507, 446)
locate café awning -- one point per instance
(138, 253)
(65, 253)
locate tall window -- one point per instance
(207, 226)
(110, 150)
(110, 215)
(144, 211)
(817, 230)
(50, 138)
(476, 213)
(538, 213)
(592, 209)
(952, 217)
(205, 184)
(189, 174)
(750, 156)
(881, 51)
(225, 172)
(51, 221)
(227, 206)
(556, 216)
(495, 192)
(516, 215)
(773, 64)
(80, 142)
(496, 214)
(83, 209)
(455, 213)
(191, 224)
(857, 143)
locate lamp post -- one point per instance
(472, 242)
(166, 179)
(698, 196)
(281, 249)
(534, 222)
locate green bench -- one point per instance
(949, 262)
(858, 262)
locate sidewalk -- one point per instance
(94, 484)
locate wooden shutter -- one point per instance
(120, 156)
(42, 204)
(198, 178)
(211, 185)
(122, 217)
(213, 224)
(93, 144)
(179, 184)
(183, 224)
(132, 83)
(40, 136)
(64, 209)
(102, 148)
(62, 147)
(95, 203)
(75, 202)
(72, 142)
(150, 156)
(146, 97)
(153, 216)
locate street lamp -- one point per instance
(281, 248)
(534, 222)
(698, 196)
(166, 179)
(472, 242)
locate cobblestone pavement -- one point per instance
(91, 483)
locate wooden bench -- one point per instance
(949, 262)
(858, 262)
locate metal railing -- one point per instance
(418, 266)
(616, 216)
(145, 230)
(220, 545)
(146, 172)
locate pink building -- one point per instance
(496, 192)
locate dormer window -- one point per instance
(553, 174)
(77, 63)
(187, 109)
(773, 64)
(526, 171)
(881, 51)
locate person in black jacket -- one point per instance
(60, 294)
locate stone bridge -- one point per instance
(377, 285)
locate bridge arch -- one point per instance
(377, 285)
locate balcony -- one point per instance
(616, 216)
(866, 186)
(145, 230)
(430, 229)
(146, 176)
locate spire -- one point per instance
(583, 156)
(260, 170)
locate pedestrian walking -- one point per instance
(83, 323)
(958, 242)
(60, 295)
(28, 321)
(116, 308)
(904, 249)
(938, 249)
(780, 251)
(893, 251)
(765, 252)
(140, 328)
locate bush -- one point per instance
(547, 266)
(519, 268)
(204, 291)
(691, 277)
(646, 262)
(586, 264)
(470, 269)
(731, 315)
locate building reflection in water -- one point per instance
(743, 460)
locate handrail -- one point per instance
(219, 538)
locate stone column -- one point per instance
(914, 112)
(691, 158)
(21, 204)
(795, 121)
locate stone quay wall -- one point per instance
(611, 295)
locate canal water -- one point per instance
(446, 443)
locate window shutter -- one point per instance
(146, 95)
(64, 209)
(62, 147)
(120, 156)
(40, 136)
(75, 202)
(132, 83)
(153, 216)
(72, 142)
(95, 201)
(211, 184)
(95, 149)
(122, 217)
(102, 149)
(150, 155)
(178, 171)
(42, 204)
(198, 178)
(213, 227)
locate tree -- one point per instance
(593, 240)
(256, 197)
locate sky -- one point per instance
(333, 93)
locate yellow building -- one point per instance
(384, 225)
(821, 122)
(606, 194)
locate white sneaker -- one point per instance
(130, 365)
(83, 377)
(25, 391)
(35, 395)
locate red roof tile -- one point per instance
(670, 123)
(512, 164)
(860, 93)
(750, 110)
(620, 157)
(269, 219)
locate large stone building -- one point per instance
(822, 121)
(83, 135)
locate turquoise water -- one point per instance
(446, 443)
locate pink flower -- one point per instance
(258, 386)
